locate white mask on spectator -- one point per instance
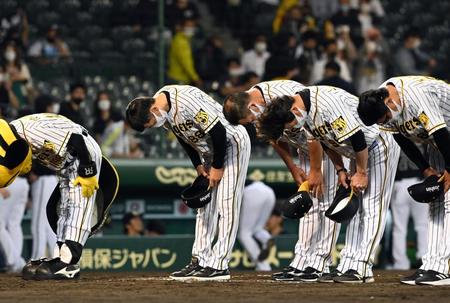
(189, 31)
(161, 118)
(371, 46)
(300, 119)
(260, 47)
(56, 108)
(10, 55)
(260, 108)
(417, 43)
(395, 113)
(236, 72)
(104, 105)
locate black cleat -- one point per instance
(29, 270)
(211, 274)
(329, 277)
(353, 277)
(287, 274)
(266, 250)
(55, 269)
(411, 280)
(187, 271)
(431, 277)
(309, 275)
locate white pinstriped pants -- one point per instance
(317, 234)
(365, 230)
(437, 257)
(221, 216)
(75, 212)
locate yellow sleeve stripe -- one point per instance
(343, 137)
(213, 122)
(436, 127)
(393, 130)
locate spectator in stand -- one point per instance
(51, 49)
(308, 54)
(8, 100)
(181, 10)
(369, 14)
(18, 74)
(346, 15)
(331, 54)
(15, 28)
(236, 80)
(298, 20)
(331, 78)
(72, 108)
(181, 60)
(410, 60)
(133, 224)
(104, 115)
(210, 60)
(118, 141)
(155, 228)
(254, 60)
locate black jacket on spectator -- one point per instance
(337, 81)
(68, 111)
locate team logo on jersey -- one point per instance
(423, 118)
(49, 146)
(339, 125)
(202, 117)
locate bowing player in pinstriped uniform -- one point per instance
(60, 144)
(329, 116)
(217, 150)
(416, 109)
(317, 234)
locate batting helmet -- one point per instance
(198, 194)
(428, 190)
(345, 205)
(298, 204)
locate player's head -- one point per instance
(77, 92)
(373, 107)
(276, 118)
(142, 113)
(239, 108)
(17, 155)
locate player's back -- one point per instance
(258, 191)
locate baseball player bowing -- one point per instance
(329, 116)
(59, 144)
(217, 150)
(317, 233)
(417, 109)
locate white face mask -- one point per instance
(161, 118)
(300, 119)
(395, 113)
(260, 47)
(56, 108)
(260, 108)
(104, 104)
(236, 72)
(189, 31)
(417, 43)
(10, 56)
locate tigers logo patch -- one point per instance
(339, 125)
(423, 118)
(49, 145)
(202, 117)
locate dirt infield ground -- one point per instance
(244, 287)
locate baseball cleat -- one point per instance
(266, 250)
(329, 277)
(352, 276)
(29, 270)
(309, 274)
(55, 269)
(211, 274)
(187, 271)
(411, 280)
(287, 274)
(431, 277)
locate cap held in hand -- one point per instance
(198, 194)
(428, 190)
(345, 205)
(297, 205)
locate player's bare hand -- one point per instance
(215, 175)
(201, 171)
(4, 193)
(298, 174)
(359, 181)
(315, 180)
(446, 181)
(343, 178)
(430, 172)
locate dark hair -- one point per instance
(333, 65)
(76, 85)
(371, 105)
(309, 34)
(412, 32)
(137, 112)
(235, 107)
(42, 102)
(277, 114)
(126, 219)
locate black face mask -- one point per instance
(77, 100)
(51, 39)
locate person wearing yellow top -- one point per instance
(181, 60)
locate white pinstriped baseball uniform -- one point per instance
(332, 119)
(426, 109)
(48, 135)
(192, 114)
(316, 233)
